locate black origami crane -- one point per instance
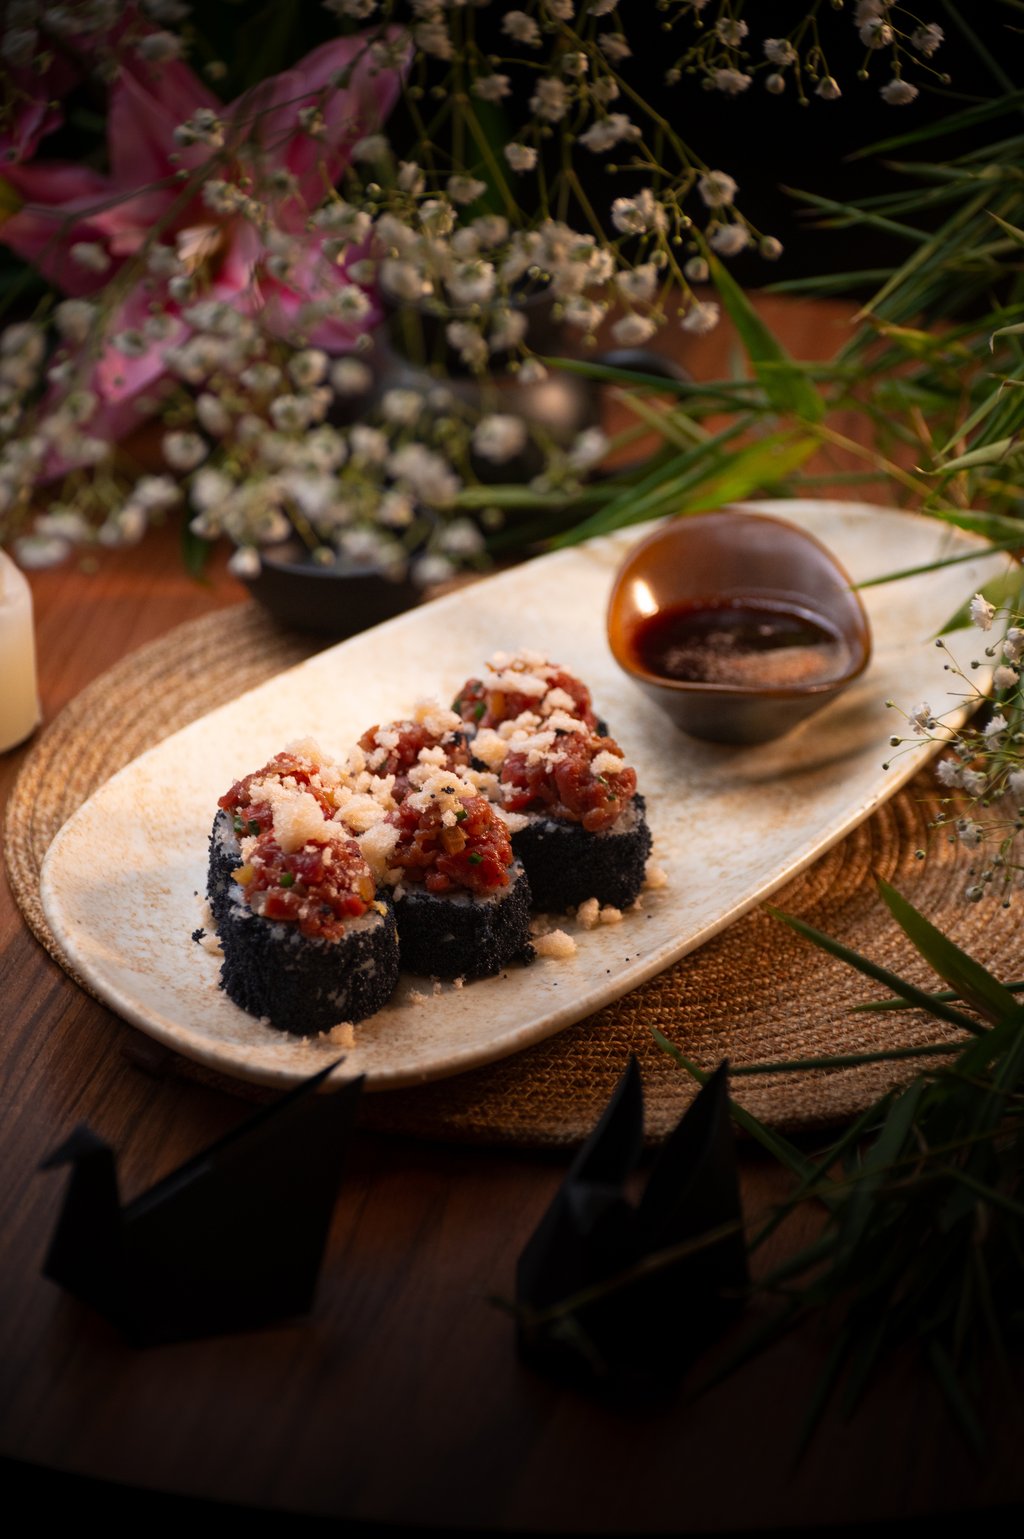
(231, 1240)
(600, 1294)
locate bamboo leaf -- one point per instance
(785, 383)
(972, 982)
(896, 985)
(1001, 590)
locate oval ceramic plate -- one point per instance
(730, 825)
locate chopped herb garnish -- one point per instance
(479, 711)
(239, 825)
(462, 813)
(457, 706)
(254, 827)
(474, 858)
(287, 879)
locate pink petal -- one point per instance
(349, 113)
(117, 378)
(141, 122)
(60, 207)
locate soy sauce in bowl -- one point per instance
(744, 642)
(737, 625)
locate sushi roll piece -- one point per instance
(576, 821)
(307, 942)
(245, 811)
(514, 684)
(409, 751)
(463, 901)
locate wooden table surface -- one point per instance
(400, 1399)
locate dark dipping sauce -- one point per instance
(749, 643)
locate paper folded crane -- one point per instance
(231, 1240)
(608, 1290)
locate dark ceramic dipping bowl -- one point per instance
(335, 601)
(713, 560)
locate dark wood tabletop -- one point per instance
(400, 1398)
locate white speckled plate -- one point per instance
(730, 825)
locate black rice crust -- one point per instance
(306, 985)
(444, 937)
(225, 857)
(567, 865)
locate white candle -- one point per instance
(19, 700)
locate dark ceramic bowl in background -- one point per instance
(734, 555)
(334, 601)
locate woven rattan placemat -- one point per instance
(757, 993)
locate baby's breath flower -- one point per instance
(614, 46)
(584, 314)
(981, 612)
(550, 100)
(521, 157)
(472, 283)
(499, 437)
(75, 319)
(897, 92)
(465, 189)
(635, 215)
(948, 773)
(468, 342)
(308, 367)
(633, 330)
(90, 255)
(779, 50)
(775, 83)
(927, 39)
(395, 510)
(401, 406)
(921, 718)
(639, 284)
(521, 29)
(828, 89)
(371, 148)
(731, 81)
(160, 47)
(426, 473)
(588, 449)
(1015, 783)
(770, 248)
(184, 451)
(729, 239)
(290, 413)
(730, 32)
(717, 189)
(696, 269)
(245, 563)
(349, 376)
(1004, 677)
(876, 33)
(605, 133)
(974, 782)
(491, 88)
(700, 318)
(432, 569)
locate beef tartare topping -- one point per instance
(577, 777)
(513, 684)
(449, 838)
(412, 751)
(249, 801)
(318, 887)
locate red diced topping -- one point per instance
(474, 853)
(412, 737)
(490, 707)
(317, 888)
(283, 766)
(568, 788)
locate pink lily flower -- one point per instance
(80, 228)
